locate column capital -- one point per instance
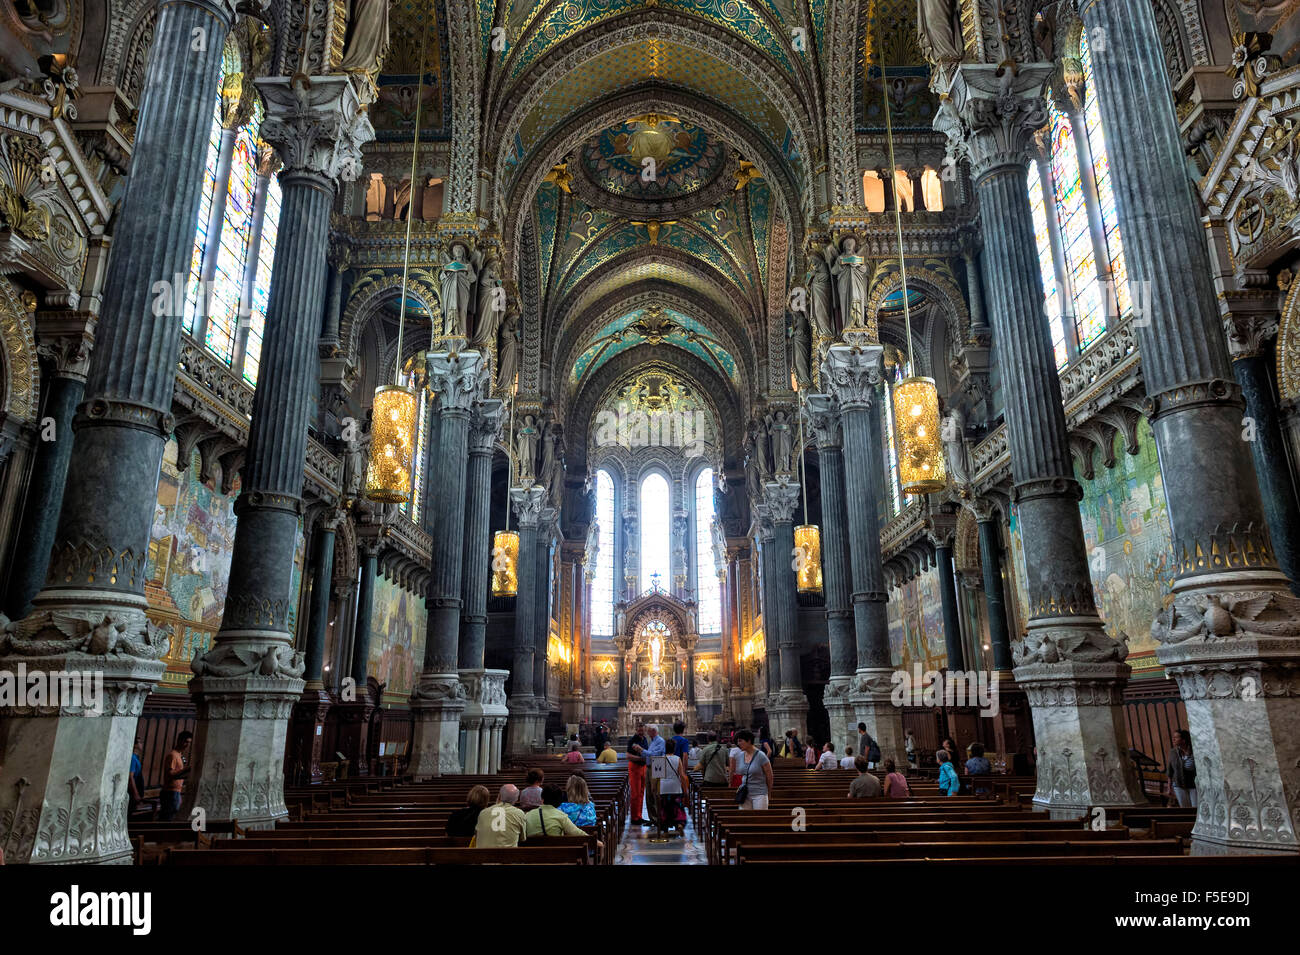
(991, 113)
(528, 503)
(982, 508)
(485, 425)
(1247, 333)
(316, 124)
(825, 421)
(782, 498)
(70, 354)
(851, 374)
(456, 377)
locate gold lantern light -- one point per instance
(395, 419)
(505, 564)
(808, 541)
(921, 467)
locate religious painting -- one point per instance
(1127, 533)
(915, 615)
(1019, 578)
(397, 631)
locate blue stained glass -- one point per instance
(1105, 187)
(1047, 267)
(709, 595)
(262, 282)
(232, 250)
(602, 584)
(201, 226)
(656, 527)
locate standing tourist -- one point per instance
(755, 773)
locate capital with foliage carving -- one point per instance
(485, 425)
(991, 113)
(457, 378)
(528, 502)
(1247, 334)
(782, 499)
(315, 124)
(825, 421)
(851, 373)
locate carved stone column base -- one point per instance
(787, 710)
(1236, 657)
(1083, 760)
(353, 734)
(306, 736)
(65, 753)
(436, 708)
(485, 706)
(844, 721)
(872, 697)
(525, 726)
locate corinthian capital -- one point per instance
(992, 112)
(825, 421)
(316, 124)
(1247, 334)
(485, 425)
(457, 377)
(851, 374)
(528, 502)
(782, 499)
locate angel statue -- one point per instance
(355, 459)
(592, 550)
(508, 350)
(552, 473)
(953, 434)
(457, 276)
(367, 36)
(778, 425)
(800, 349)
(850, 272)
(818, 280)
(526, 445)
(491, 305)
(938, 31)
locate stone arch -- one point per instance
(22, 375)
(364, 305)
(1288, 347)
(966, 543)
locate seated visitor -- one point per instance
(865, 785)
(577, 803)
(847, 761)
(693, 754)
(531, 797)
(463, 822)
(608, 754)
(501, 825)
(895, 782)
(810, 754)
(828, 758)
(549, 820)
(949, 784)
(574, 755)
(978, 765)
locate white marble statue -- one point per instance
(938, 30)
(457, 278)
(851, 280)
(367, 36)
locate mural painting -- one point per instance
(916, 623)
(397, 632)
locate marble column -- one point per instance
(63, 794)
(990, 537)
(542, 565)
(356, 706)
(948, 603)
(766, 538)
(1073, 673)
(252, 667)
(824, 415)
(522, 729)
(852, 373)
(309, 713)
(458, 379)
(484, 689)
(1248, 337)
(65, 387)
(1231, 638)
(788, 706)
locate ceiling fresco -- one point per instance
(393, 115)
(653, 157)
(661, 327)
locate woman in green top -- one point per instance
(549, 819)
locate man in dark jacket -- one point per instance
(1181, 769)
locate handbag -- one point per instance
(742, 793)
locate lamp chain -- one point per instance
(410, 203)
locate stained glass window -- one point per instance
(602, 584)
(1047, 266)
(893, 491)
(656, 528)
(708, 587)
(1105, 190)
(412, 507)
(205, 213)
(1072, 213)
(262, 282)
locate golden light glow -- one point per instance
(557, 651)
(921, 468)
(505, 564)
(808, 562)
(392, 445)
(753, 649)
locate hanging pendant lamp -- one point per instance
(390, 472)
(807, 537)
(921, 467)
(505, 544)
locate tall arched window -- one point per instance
(708, 587)
(1068, 192)
(235, 237)
(656, 532)
(602, 584)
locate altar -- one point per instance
(656, 634)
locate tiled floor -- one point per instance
(680, 849)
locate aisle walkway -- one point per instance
(680, 849)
